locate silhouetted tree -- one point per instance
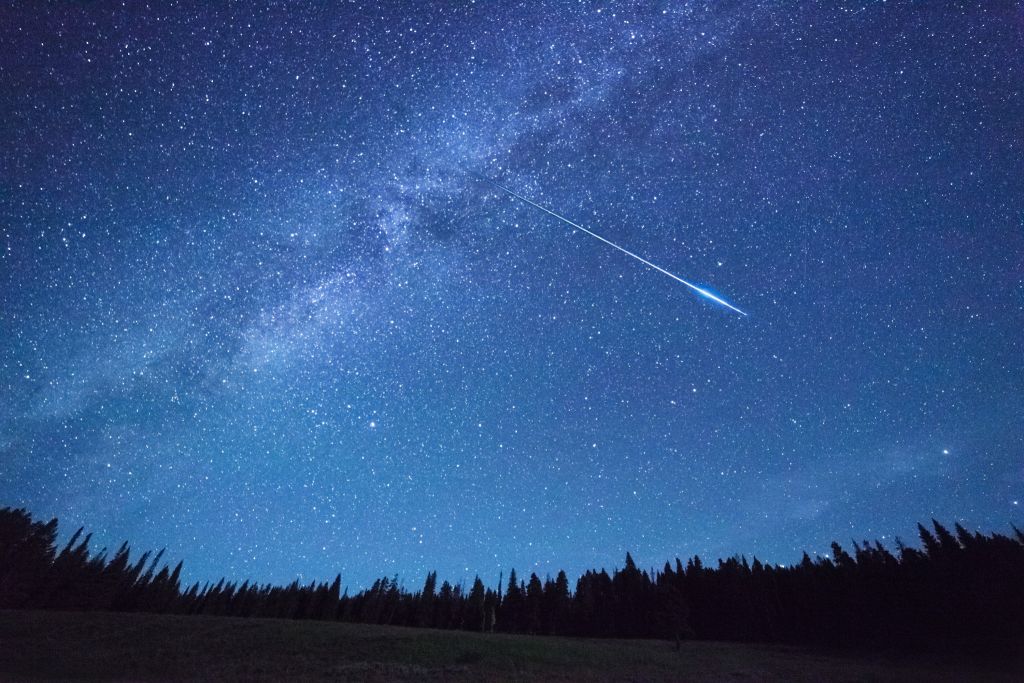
(475, 611)
(425, 606)
(510, 615)
(533, 604)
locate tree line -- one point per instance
(960, 590)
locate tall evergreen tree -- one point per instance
(425, 606)
(475, 607)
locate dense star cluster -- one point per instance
(256, 308)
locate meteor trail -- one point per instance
(699, 290)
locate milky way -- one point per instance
(254, 307)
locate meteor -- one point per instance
(699, 290)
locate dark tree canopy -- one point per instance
(961, 591)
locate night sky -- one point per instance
(257, 307)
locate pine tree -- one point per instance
(425, 606)
(27, 551)
(510, 614)
(533, 604)
(474, 618)
(557, 605)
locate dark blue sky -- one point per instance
(255, 308)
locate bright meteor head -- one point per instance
(718, 300)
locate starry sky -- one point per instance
(256, 306)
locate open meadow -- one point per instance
(37, 645)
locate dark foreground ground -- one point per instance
(142, 647)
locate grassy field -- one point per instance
(140, 647)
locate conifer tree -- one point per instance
(425, 606)
(532, 605)
(476, 607)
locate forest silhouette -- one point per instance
(960, 591)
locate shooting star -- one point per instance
(699, 290)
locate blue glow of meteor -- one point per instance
(699, 290)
